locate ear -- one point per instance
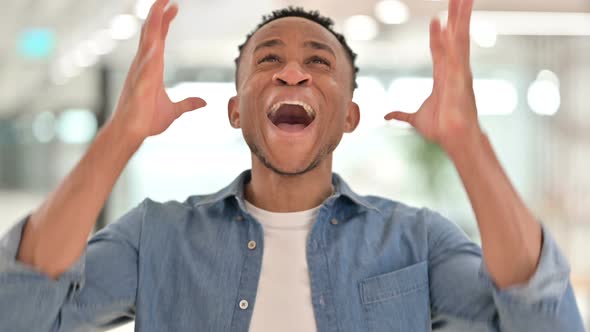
(352, 117)
(233, 113)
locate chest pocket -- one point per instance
(397, 301)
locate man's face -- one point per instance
(294, 96)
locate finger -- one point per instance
(453, 13)
(148, 18)
(148, 45)
(436, 42)
(437, 49)
(169, 15)
(401, 116)
(463, 23)
(140, 64)
(189, 104)
(153, 24)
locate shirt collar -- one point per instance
(342, 189)
(236, 189)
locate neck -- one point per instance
(279, 193)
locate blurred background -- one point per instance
(63, 63)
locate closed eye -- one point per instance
(269, 58)
(319, 60)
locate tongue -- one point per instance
(291, 127)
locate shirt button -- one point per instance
(252, 245)
(334, 221)
(243, 304)
(239, 218)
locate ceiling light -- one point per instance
(101, 42)
(543, 95)
(548, 75)
(361, 27)
(124, 27)
(142, 8)
(83, 56)
(67, 67)
(37, 43)
(484, 33)
(44, 127)
(76, 126)
(392, 12)
(495, 96)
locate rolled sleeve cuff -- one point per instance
(11, 268)
(547, 285)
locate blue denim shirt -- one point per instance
(187, 266)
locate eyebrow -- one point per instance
(269, 43)
(319, 46)
(309, 44)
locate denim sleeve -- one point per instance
(463, 294)
(96, 293)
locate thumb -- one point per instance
(189, 104)
(401, 116)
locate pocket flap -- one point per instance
(393, 284)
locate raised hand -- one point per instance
(144, 108)
(449, 115)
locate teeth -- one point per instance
(310, 111)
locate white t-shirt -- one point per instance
(283, 299)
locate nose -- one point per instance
(292, 74)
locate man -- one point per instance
(287, 246)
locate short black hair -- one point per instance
(312, 15)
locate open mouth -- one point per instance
(291, 116)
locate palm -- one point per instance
(449, 113)
(164, 113)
